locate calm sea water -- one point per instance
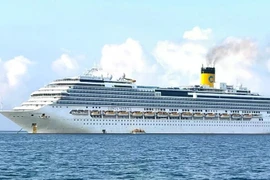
(26, 156)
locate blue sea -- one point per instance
(67, 156)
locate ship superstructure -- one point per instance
(94, 103)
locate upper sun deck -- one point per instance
(98, 77)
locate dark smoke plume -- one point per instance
(231, 46)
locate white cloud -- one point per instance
(181, 62)
(239, 64)
(197, 34)
(235, 60)
(15, 69)
(176, 64)
(13, 74)
(65, 65)
(235, 72)
(127, 58)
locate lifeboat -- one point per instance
(79, 112)
(137, 131)
(162, 114)
(186, 115)
(236, 116)
(224, 116)
(210, 115)
(247, 116)
(198, 115)
(137, 114)
(95, 113)
(123, 113)
(174, 114)
(149, 114)
(109, 113)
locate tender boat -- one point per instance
(138, 131)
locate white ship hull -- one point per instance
(59, 120)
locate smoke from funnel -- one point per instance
(231, 46)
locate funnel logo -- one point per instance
(211, 79)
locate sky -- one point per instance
(161, 43)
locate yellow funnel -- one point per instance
(208, 76)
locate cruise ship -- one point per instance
(93, 103)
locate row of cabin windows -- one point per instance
(80, 107)
(136, 96)
(127, 89)
(107, 88)
(158, 105)
(184, 110)
(92, 86)
(253, 112)
(172, 121)
(112, 89)
(124, 104)
(163, 101)
(108, 92)
(154, 109)
(169, 98)
(135, 124)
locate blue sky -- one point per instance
(81, 33)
